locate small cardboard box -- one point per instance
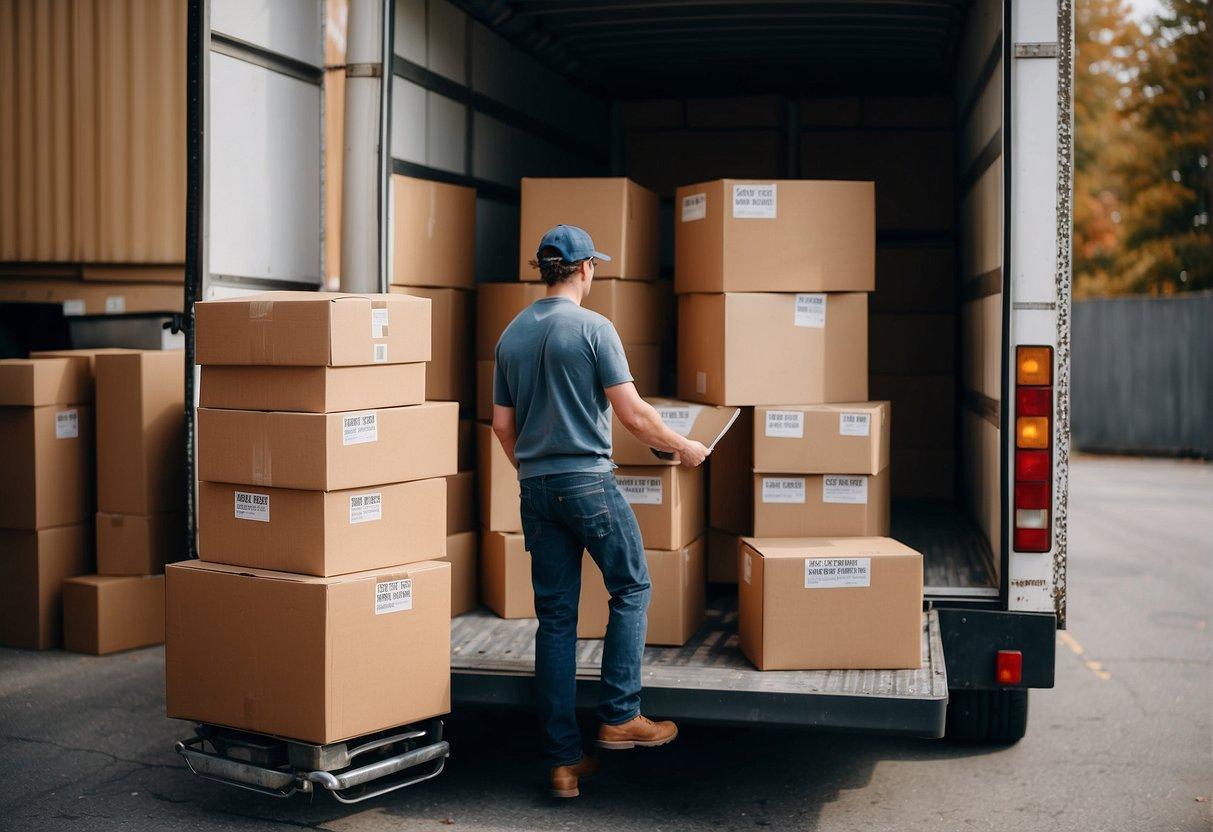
(434, 233)
(668, 502)
(678, 601)
(850, 438)
(505, 580)
(34, 382)
(731, 478)
(328, 451)
(107, 613)
(139, 544)
(631, 306)
(500, 503)
(722, 556)
(461, 555)
(485, 371)
(703, 423)
(497, 304)
(758, 348)
(322, 533)
(313, 329)
(48, 466)
(461, 502)
(821, 505)
(620, 215)
(32, 569)
(830, 603)
(312, 389)
(140, 431)
(316, 660)
(775, 236)
(449, 375)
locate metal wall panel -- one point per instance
(409, 37)
(408, 121)
(446, 133)
(447, 41)
(288, 27)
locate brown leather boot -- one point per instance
(640, 732)
(565, 779)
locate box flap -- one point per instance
(827, 547)
(291, 577)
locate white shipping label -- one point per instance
(73, 306)
(680, 419)
(359, 428)
(379, 319)
(783, 489)
(380, 354)
(854, 424)
(366, 508)
(832, 573)
(785, 424)
(250, 506)
(840, 489)
(67, 424)
(754, 202)
(115, 304)
(394, 596)
(641, 490)
(810, 310)
(694, 207)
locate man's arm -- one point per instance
(643, 421)
(506, 431)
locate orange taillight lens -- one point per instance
(1034, 365)
(1032, 432)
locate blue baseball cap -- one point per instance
(573, 243)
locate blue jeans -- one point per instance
(562, 514)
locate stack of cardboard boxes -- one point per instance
(319, 609)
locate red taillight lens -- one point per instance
(1033, 525)
(1032, 466)
(1031, 540)
(1008, 667)
(1033, 401)
(1031, 495)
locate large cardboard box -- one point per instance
(731, 478)
(461, 555)
(830, 603)
(701, 423)
(644, 360)
(449, 375)
(322, 533)
(461, 499)
(821, 505)
(620, 215)
(34, 382)
(912, 344)
(85, 361)
(722, 556)
(668, 502)
(313, 389)
(925, 408)
(505, 581)
(107, 613)
(678, 601)
(758, 348)
(631, 306)
(775, 236)
(500, 502)
(433, 233)
(312, 659)
(78, 297)
(32, 569)
(139, 544)
(314, 329)
(328, 451)
(48, 466)
(497, 304)
(851, 438)
(140, 432)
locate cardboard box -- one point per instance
(701, 423)
(85, 359)
(140, 432)
(620, 215)
(461, 499)
(500, 506)
(923, 474)
(78, 297)
(485, 372)
(925, 408)
(48, 466)
(139, 544)
(505, 581)
(830, 604)
(461, 555)
(668, 502)
(850, 438)
(33, 382)
(433, 233)
(314, 329)
(133, 273)
(497, 304)
(32, 569)
(775, 236)
(803, 348)
(316, 660)
(821, 505)
(678, 601)
(313, 389)
(631, 305)
(912, 344)
(467, 444)
(722, 556)
(322, 533)
(107, 613)
(328, 451)
(731, 478)
(449, 375)
(644, 360)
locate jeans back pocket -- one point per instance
(587, 511)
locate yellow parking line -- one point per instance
(1078, 650)
(1069, 641)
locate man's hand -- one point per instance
(639, 417)
(692, 454)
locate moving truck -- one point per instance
(959, 110)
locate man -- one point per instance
(560, 368)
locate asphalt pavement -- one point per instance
(1123, 742)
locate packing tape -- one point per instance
(261, 345)
(263, 461)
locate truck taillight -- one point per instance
(1033, 448)
(1008, 667)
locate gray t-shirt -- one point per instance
(553, 362)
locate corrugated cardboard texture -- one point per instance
(31, 577)
(302, 657)
(698, 422)
(461, 498)
(631, 305)
(140, 431)
(620, 215)
(322, 533)
(105, 613)
(731, 478)
(139, 544)
(500, 508)
(821, 239)
(434, 233)
(783, 625)
(679, 517)
(88, 298)
(832, 438)
(496, 305)
(747, 348)
(461, 555)
(309, 450)
(722, 556)
(313, 389)
(816, 518)
(85, 359)
(505, 581)
(48, 466)
(313, 329)
(449, 375)
(40, 381)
